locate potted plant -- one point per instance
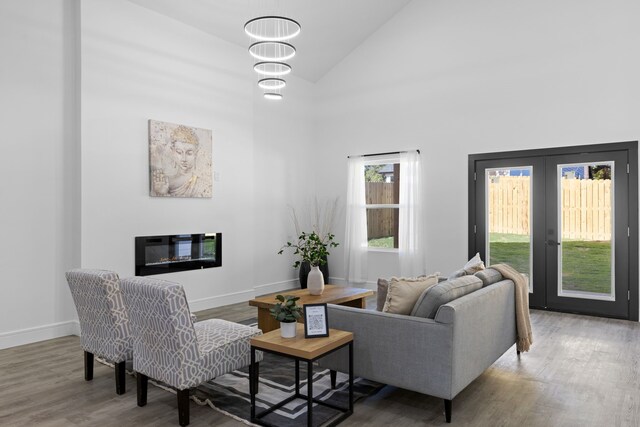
(320, 218)
(287, 313)
(312, 249)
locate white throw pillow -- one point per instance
(474, 265)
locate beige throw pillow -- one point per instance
(403, 294)
(383, 285)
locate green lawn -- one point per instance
(382, 242)
(586, 264)
(516, 254)
(509, 238)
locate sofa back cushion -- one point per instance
(457, 273)
(381, 295)
(432, 298)
(489, 276)
(403, 294)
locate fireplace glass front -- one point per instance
(178, 252)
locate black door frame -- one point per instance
(619, 307)
(630, 146)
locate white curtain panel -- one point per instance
(410, 239)
(356, 228)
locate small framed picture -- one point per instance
(316, 323)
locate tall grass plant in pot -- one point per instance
(313, 249)
(319, 217)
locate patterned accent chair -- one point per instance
(104, 324)
(170, 348)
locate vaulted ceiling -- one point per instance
(331, 29)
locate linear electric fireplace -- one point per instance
(179, 252)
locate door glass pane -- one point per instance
(585, 221)
(508, 213)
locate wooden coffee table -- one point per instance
(333, 294)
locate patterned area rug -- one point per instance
(229, 393)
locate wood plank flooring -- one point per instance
(581, 371)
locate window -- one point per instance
(384, 212)
(382, 194)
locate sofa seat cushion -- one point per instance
(403, 294)
(489, 276)
(432, 298)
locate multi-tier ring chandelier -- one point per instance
(270, 47)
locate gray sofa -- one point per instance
(439, 356)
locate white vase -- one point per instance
(315, 281)
(288, 329)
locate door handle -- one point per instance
(551, 243)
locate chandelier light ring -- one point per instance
(273, 96)
(270, 68)
(271, 83)
(272, 51)
(272, 28)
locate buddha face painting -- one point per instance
(179, 161)
(185, 155)
(184, 148)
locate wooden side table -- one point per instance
(306, 350)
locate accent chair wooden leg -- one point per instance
(447, 410)
(88, 366)
(334, 376)
(121, 383)
(183, 407)
(142, 382)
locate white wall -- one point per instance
(137, 65)
(447, 77)
(40, 213)
(283, 176)
(457, 77)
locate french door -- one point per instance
(562, 218)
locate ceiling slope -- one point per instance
(331, 29)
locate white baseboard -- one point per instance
(72, 327)
(343, 282)
(243, 296)
(39, 333)
(270, 288)
(220, 300)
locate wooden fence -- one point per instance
(586, 207)
(508, 205)
(380, 222)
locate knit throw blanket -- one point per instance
(523, 320)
